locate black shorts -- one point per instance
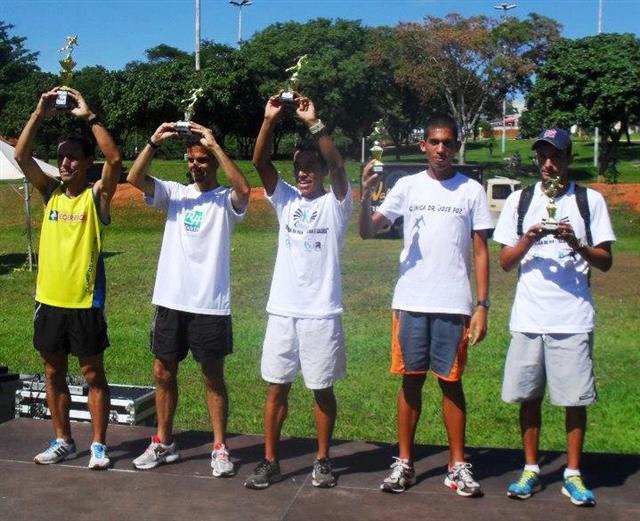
(174, 332)
(80, 332)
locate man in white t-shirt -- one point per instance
(192, 289)
(552, 318)
(446, 215)
(304, 331)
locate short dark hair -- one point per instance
(441, 120)
(310, 145)
(87, 144)
(193, 140)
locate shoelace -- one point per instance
(324, 465)
(98, 450)
(576, 481)
(221, 454)
(527, 475)
(463, 472)
(54, 445)
(263, 468)
(399, 467)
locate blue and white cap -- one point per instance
(557, 137)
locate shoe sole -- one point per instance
(320, 484)
(388, 488)
(228, 474)
(515, 495)
(262, 486)
(168, 459)
(67, 457)
(450, 484)
(577, 502)
(99, 466)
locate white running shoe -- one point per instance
(221, 463)
(99, 457)
(58, 450)
(156, 454)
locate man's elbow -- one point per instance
(20, 157)
(114, 159)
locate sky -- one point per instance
(115, 32)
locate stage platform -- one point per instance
(186, 490)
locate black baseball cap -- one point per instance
(557, 137)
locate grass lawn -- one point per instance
(367, 396)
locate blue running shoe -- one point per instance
(574, 489)
(527, 484)
(58, 450)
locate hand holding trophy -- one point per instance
(288, 97)
(63, 100)
(182, 127)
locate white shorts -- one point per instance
(313, 345)
(562, 361)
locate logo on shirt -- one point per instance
(55, 216)
(303, 217)
(193, 220)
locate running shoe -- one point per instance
(220, 462)
(574, 489)
(460, 479)
(527, 484)
(155, 454)
(99, 457)
(58, 450)
(322, 475)
(266, 473)
(402, 476)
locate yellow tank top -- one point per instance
(70, 263)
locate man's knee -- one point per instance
(278, 393)
(324, 397)
(165, 373)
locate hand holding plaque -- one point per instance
(551, 190)
(63, 100)
(182, 127)
(289, 96)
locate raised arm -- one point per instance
(306, 111)
(262, 150)
(240, 186)
(105, 188)
(138, 176)
(24, 148)
(369, 224)
(478, 323)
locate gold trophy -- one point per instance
(63, 100)
(551, 190)
(377, 150)
(182, 127)
(287, 98)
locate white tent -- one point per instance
(10, 171)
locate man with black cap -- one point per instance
(554, 232)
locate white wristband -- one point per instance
(317, 127)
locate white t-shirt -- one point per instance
(552, 294)
(435, 261)
(306, 278)
(194, 268)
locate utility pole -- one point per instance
(197, 35)
(240, 4)
(596, 134)
(504, 7)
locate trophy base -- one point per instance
(378, 169)
(182, 128)
(288, 100)
(64, 101)
(551, 226)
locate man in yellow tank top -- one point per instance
(70, 287)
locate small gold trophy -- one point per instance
(376, 150)
(182, 127)
(551, 191)
(287, 98)
(63, 100)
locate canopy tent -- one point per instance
(10, 171)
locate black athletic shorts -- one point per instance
(174, 332)
(80, 332)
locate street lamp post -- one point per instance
(240, 5)
(197, 53)
(596, 135)
(504, 7)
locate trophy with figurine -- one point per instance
(551, 190)
(189, 103)
(377, 150)
(63, 100)
(288, 97)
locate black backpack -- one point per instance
(581, 200)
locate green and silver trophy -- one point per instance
(551, 190)
(182, 127)
(288, 97)
(63, 100)
(377, 150)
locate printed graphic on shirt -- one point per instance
(193, 220)
(301, 230)
(55, 216)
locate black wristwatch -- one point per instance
(483, 303)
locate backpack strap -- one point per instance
(583, 207)
(523, 205)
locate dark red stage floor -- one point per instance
(185, 490)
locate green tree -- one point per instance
(470, 61)
(593, 82)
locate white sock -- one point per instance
(571, 472)
(533, 468)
